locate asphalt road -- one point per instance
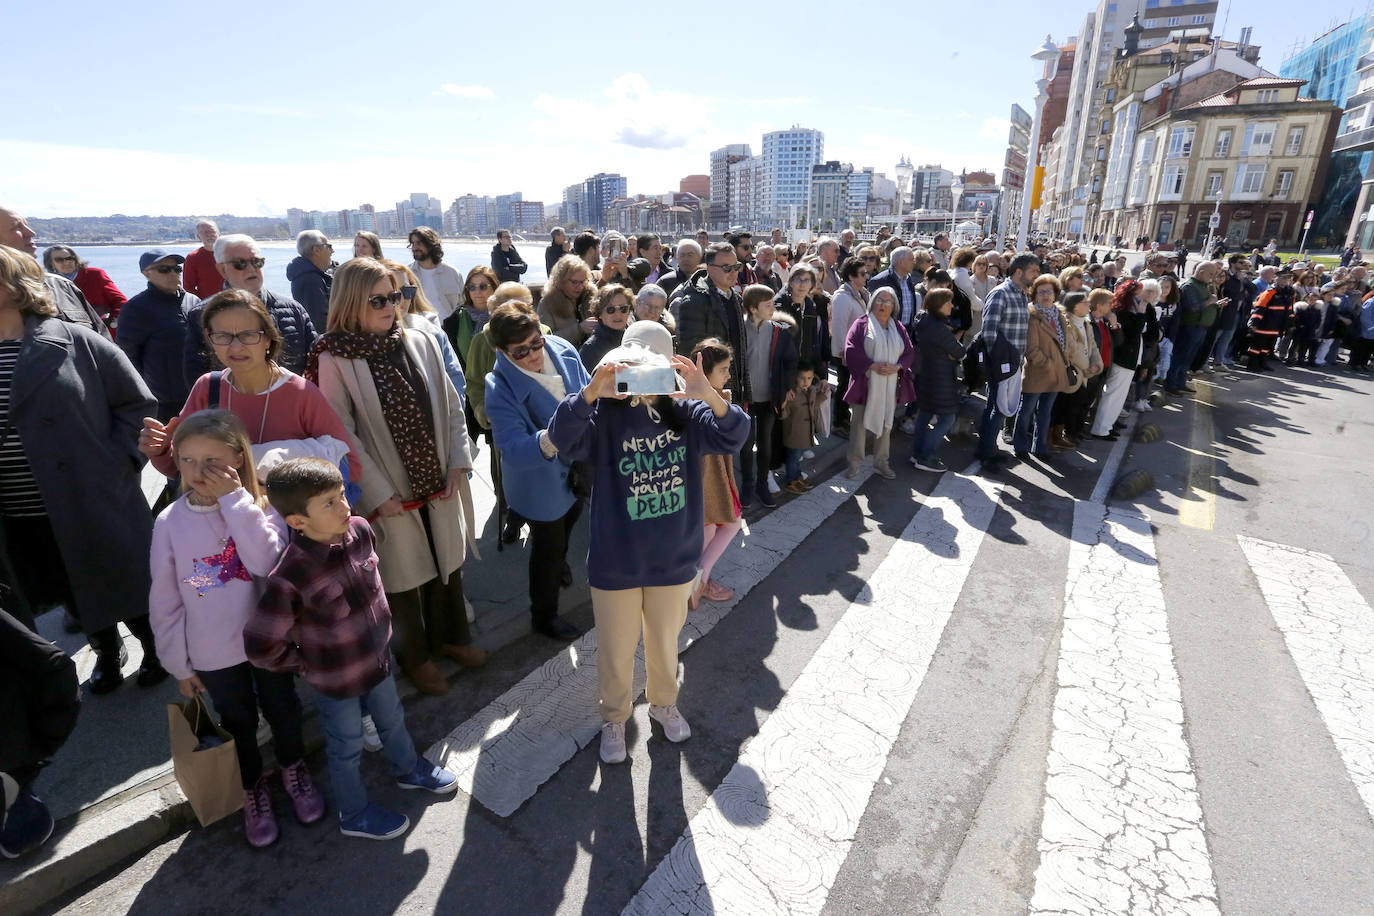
(970, 695)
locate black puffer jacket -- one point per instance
(937, 384)
(291, 319)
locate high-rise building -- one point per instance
(1083, 151)
(860, 187)
(830, 195)
(574, 206)
(930, 188)
(295, 221)
(598, 191)
(788, 157)
(526, 214)
(505, 211)
(745, 186)
(721, 160)
(1330, 65)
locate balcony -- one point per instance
(1355, 140)
(1365, 62)
(1360, 98)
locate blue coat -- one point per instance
(519, 408)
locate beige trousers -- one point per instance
(882, 444)
(621, 615)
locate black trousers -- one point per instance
(424, 619)
(754, 469)
(238, 693)
(839, 408)
(548, 554)
(1072, 410)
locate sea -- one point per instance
(121, 261)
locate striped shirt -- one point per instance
(19, 494)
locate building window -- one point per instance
(1151, 4)
(1106, 126)
(1266, 96)
(1111, 95)
(1097, 183)
(1294, 145)
(1150, 23)
(1284, 183)
(1249, 179)
(1214, 180)
(1223, 147)
(1199, 20)
(1180, 143)
(1147, 149)
(1172, 185)
(1175, 21)
(1259, 138)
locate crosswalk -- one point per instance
(1123, 824)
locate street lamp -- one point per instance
(1047, 55)
(1212, 223)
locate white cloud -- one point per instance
(634, 114)
(994, 129)
(467, 92)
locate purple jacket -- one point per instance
(856, 359)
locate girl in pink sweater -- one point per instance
(207, 548)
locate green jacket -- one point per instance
(1197, 303)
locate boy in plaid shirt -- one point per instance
(324, 614)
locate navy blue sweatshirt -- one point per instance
(646, 514)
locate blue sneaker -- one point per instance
(26, 825)
(428, 777)
(374, 823)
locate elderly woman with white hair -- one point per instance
(311, 273)
(879, 355)
(651, 304)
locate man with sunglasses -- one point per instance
(744, 252)
(712, 308)
(152, 329)
(240, 263)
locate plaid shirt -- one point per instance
(325, 615)
(1006, 314)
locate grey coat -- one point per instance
(78, 405)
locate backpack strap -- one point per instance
(216, 378)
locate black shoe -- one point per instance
(745, 497)
(767, 498)
(557, 628)
(27, 825)
(107, 675)
(1044, 456)
(841, 431)
(565, 577)
(150, 672)
(511, 533)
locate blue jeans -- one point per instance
(925, 441)
(792, 463)
(1221, 350)
(1190, 337)
(1035, 409)
(990, 425)
(343, 736)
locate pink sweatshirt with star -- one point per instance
(204, 560)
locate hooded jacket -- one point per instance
(310, 287)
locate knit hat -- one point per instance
(649, 335)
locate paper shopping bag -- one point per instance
(209, 777)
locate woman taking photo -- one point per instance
(878, 356)
(389, 387)
(647, 519)
(566, 305)
(76, 525)
(533, 374)
(612, 313)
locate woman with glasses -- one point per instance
(614, 306)
(389, 387)
(420, 315)
(533, 373)
(100, 291)
(566, 305)
(878, 354)
(470, 317)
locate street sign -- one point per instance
(1020, 118)
(1308, 224)
(1016, 160)
(1013, 179)
(1214, 221)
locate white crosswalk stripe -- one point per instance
(1329, 630)
(504, 753)
(1123, 825)
(775, 832)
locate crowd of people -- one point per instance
(319, 446)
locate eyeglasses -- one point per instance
(168, 269)
(242, 263)
(247, 338)
(380, 302)
(479, 287)
(326, 245)
(870, 257)
(729, 268)
(622, 309)
(520, 352)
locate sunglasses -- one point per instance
(390, 299)
(479, 288)
(247, 338)
(169, 269)
(870, 257)
(729, 268)
(63, 257)
(520, 352)
(622, 309)
(243, 263)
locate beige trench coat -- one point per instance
(404, 558)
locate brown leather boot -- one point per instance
(1060, 439)
(427, 679)
(468, 656)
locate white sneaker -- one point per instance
(773, 484)
(613, 742)
(1143, 405)
(371, 740)
(675, 728)
(808, 454)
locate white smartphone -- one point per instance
(645, 380)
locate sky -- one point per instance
(205, 108)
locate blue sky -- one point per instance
(185, 108)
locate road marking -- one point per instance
(1198, 507)
(1123, 826)
(504, 753)
(773, 835)
(1329, 629)
(1107, 476)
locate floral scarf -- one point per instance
(405, 418)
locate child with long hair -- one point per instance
(721, 497)
(208, 547)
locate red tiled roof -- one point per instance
(1269, 82)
